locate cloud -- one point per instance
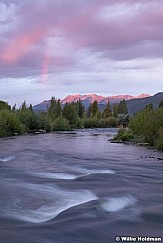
(89, 41)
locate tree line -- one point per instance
(60, 117)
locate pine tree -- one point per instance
(80, 109)
(23, 106)
(30, 108)
(58, 109)
(94, 108)
(52, 109)
(122, 108)
(115, 110)
(89, 111)
(107, 111)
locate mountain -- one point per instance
(136, 105)
(90, 98)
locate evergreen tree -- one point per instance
(55, 109)
(94, 108)
(58, 109)
(89, 111)
(52, 112)
(98, 114)
(107, 111)
(30, 108)
(23, 106)
(80, 109)
(115, 110)
(122, 108)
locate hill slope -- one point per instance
(136, 105)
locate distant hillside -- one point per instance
(136, 105)
(90, 98)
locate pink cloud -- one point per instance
(80, 24)
(20, 46)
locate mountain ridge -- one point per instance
(99, 98)
(90, 98)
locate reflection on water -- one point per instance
(78, 187)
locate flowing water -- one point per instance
(78, 187)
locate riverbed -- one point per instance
(76, 187)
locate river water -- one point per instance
(78, 187)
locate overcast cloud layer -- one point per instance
(61, 47)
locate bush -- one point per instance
(43, 122)
(124, 135)
(90, 122)
(159, 141)
(29, 119)
(9, 124)
(147, 123)
(61, 124)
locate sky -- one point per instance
(62, 47)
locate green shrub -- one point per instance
(90, 122)
(147, 123)
(9, 124)
(159, 141)
(43, 122)
(124, 135)
(61, 124)
(29, 119)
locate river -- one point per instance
(77, 187)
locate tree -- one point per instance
(4, 105)
(107, 111)
(70, 113)
(89, 111)
(93, 109)
(81, 109)
(122, 108)
(55, 109)
(58, 109)
(51, 109)
(30, 108)
(23, 107)
(115, 110)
